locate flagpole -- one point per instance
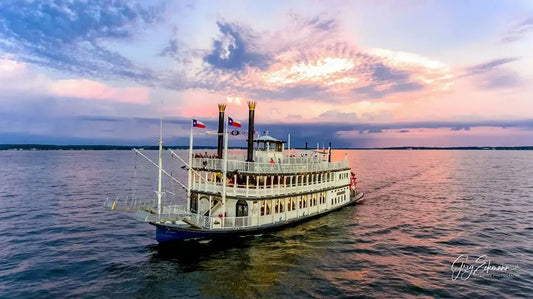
(160, 176)
(224, 171)
(189, 182)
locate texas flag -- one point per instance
(234, 123)
(198, 124)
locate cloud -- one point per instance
(376, 91)
(336, 115)
(320, 23)
(490, 65)
(68, 36)
(138, 130)
(236, 49)
(294, 116)
(518, 31)
(92, 90)
(491, 74)
(466, 128)
(171, 49)
(309, 59)
(18, 78)
(371, 131)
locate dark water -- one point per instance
(423, 210)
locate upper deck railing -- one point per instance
(285, 165)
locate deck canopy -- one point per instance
(268, 143)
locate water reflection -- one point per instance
(245, 266)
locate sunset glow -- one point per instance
(343, 67)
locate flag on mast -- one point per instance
(234, 123)
(198, 124)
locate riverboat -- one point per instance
(268, 188)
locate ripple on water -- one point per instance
(422, 210)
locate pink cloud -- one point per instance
(92, 90)
(314, 62)
(19, 76)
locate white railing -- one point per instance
(270, 190)
(130, 204)
(170, 214)
(175, 214)
(299, 164)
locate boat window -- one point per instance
(241, 208)
(263, 208)
(194, 202)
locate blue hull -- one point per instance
(165, 234)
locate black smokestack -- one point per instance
(306, 145)
(251, 111)
(221, 109)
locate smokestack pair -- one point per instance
(251, 116)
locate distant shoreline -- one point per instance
(41, 147)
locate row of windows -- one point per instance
(338, 199)
(343, 175)
(268, 180)
(303, 202)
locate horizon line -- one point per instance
(31, 146)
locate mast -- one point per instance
(224, 171)
(189, 181)
(160, 171)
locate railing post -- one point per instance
(247, 182)
(271, 184)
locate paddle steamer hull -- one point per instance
(169, 233)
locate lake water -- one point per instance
(424, 210)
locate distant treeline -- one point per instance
(499, 148)
(128, 147)
(47, 147)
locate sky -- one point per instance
(353, 73)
